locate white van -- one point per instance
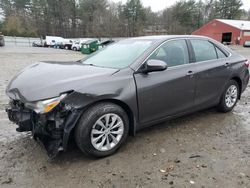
(50, 41)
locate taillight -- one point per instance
(247, 63)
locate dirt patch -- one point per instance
(205, 149)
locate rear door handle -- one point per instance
(226, 64)
(190, 73)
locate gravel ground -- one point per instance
(205, 149)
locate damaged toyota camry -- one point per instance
(123, 88)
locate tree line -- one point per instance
(103, 18)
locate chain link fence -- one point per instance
(20, 41)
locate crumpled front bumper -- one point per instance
(21, 118)
(51, 129)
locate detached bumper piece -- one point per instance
(51, 129)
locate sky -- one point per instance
(158, 5)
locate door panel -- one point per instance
(210, 81)
(169, 92)
(165, 93)
(213, 71)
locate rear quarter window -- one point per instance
(220, 53)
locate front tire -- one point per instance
(229, 97)
(102, 129)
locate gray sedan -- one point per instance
(127, 86)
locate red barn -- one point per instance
(226, 31)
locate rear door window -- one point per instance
(203, 50)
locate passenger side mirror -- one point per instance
(154, 65)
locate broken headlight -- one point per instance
(45, 106)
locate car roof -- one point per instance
(165, 37)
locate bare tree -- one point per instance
(103, 18)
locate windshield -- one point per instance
(119, 55)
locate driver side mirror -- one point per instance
(154, 65)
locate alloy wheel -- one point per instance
(107, 132)
(231, 96)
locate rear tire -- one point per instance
(229, 96)
(102, 129)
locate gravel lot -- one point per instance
(205, 149)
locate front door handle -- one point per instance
(226, 64)
(190, 73)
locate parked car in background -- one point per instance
(37, 44)
(50, 41)
(127, 86)
(76, 46)
(59, 45)
(246, 44)
(67, 43)
(2, 43)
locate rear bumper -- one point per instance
(51, 129)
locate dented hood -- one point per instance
(45, 80)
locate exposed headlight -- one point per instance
(45, 106)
